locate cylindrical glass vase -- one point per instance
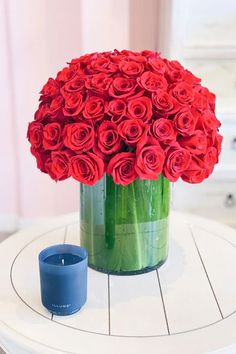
(125, 228)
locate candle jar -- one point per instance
(63, 278)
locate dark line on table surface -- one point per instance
(109, 305)
(163, 302)
(205, 270)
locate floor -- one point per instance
(2, 237)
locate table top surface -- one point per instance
(188, 306)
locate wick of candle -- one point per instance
(63, 261)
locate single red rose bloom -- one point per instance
(117, 109)
(35, 134)
(122, 87)
(95, 108)
(76, 84)
(101, 64)
(122, 168)
(157, 65)
(131, 68)
(86, 168)
(152, 82)
(60, 164)
(79, 136)
(150, 160)
(140, 108)
(74, 103)
(50, 89)
(109, 141)
(195, 172)
(176, 162)
(163, 130)
(183, 93)
(52, 137)
(55, 107)
(132, 130)
(98, 83)
(210, 159)
(208, 122)
(185, 122)
(196, 143)
(41, 157)
(43, 112)
(164, 103)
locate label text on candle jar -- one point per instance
(61, 306)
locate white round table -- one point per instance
(188, 306)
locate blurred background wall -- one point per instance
(37, 38)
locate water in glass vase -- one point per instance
(125, 228)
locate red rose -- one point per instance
(122, 168)
(195, 172)
(138, 57)
(35, 134)
(132, 131)
(185, 122)
(101, 64)
(218, 142)
(76, 84)
(109, 140)
(66, 74)
(117, 109)
(131, 68)
(55, 107)
(52, 139)
(98, 83)
(83, 60)
(190, 79)
(150, 159)
(79, 136)
(196, 143)
(152, 82)
(207, 121)
(200, 102)
(210, 97)
(122, 87)
(95, 108)
(41, 157)
(42, 112)
(164, 103)
(173, 65)
(86, 168)
(150, 54)
(48, 168)
(140, 108)
(50, 89)
(183, 93)
(157, 65)
(60, 164)
(174, 71)
(210, 159)
(177, 160)
(74, 103)
(163, 130)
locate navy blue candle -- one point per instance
(63, 278)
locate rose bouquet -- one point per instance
(137, 119)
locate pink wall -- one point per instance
(36, 39)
